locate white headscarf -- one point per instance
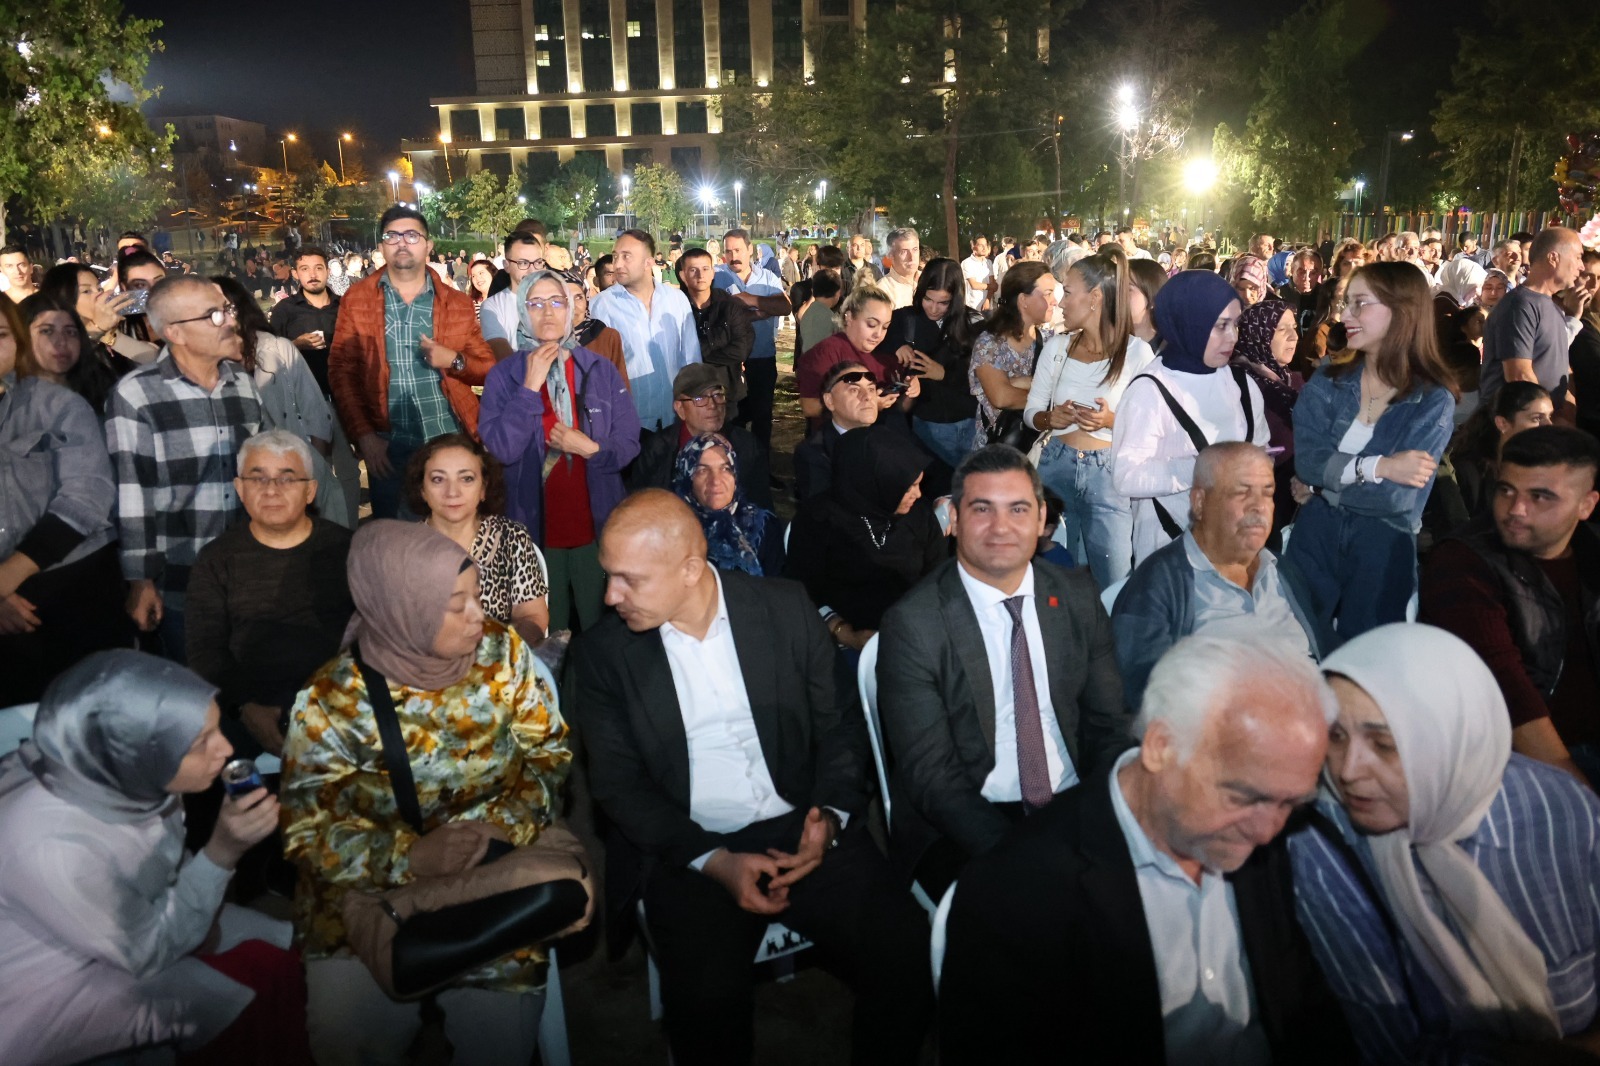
(1453, 734)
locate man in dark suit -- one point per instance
(1147, 916)
(850, 400)
(972, 753)
(701, 403)
(735, 775)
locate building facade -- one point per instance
(633, 81)
(230, 140)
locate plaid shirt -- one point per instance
(173, 452)
(418, 407)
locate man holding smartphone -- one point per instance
(307, 317)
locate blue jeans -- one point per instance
(950, 441)
(1097, 520)
(1360, 571)
(387, 495)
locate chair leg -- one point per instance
(656, 1013)
(553, 1047)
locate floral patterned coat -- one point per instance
(491, 748)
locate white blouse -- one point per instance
(1059, 379)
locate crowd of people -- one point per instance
(1197, 661)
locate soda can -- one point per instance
(240, 777)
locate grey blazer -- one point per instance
(936, 700)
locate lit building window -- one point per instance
(542, 33)
(635, 30)
(541, 59)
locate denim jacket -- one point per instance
(1421, 420)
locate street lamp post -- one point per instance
(627, 187)
(1361, 186)
(1199, 175)
(1383, 173)
(342, 138)
(283, 195)
(444, 139)
(738, 203)
(707, 198)
(394, 183)
(1128, 119)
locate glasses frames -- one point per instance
(216, 316)
(276, 482)
(410, 236)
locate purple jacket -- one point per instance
(511, 424)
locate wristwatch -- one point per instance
(459, 363)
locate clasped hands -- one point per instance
(741, 872)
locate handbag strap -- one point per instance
(1195, 436)
(395, 757)
(1243, 382)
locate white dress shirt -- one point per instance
(657, 344)
(730, 786)
(1207, 1011)
(1004, 783)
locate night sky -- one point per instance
(367, 66)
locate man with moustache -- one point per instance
(307, 318)
(1218, 572)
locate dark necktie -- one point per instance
(1032, 767)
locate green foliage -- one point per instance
(1299, 138)
(107, 186)
(1517, 91)
(491, 204)
(660, 199)
(71, 84)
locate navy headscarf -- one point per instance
(1186, 308)
(733, 534)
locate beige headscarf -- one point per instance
(1453, 734)
(402, 575)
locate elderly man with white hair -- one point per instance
(268, 600)
(173, 430)
(1147, 916)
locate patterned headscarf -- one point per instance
(556, 382)
(1256, 327)
(734, 533)
(1250, 268)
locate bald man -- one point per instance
(735, 774)
(1526, 337)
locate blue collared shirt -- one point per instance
(1539, 846)
(657, 344)
(762, 283)
(1207, 1009)
(1264, 603)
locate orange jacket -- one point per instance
(358, 371)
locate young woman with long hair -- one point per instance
(1076, 390)
(932, 341)
(1369, 430)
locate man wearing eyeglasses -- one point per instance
(173, 430)
(701, 405)
(407, 351)
(268, 601)
(498, 315)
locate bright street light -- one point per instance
(822, 190)
(1128, 117)
(394, 183)
(707, 197)
(1125, 94)
(738, 203)
(1199, 175)
(422, 190)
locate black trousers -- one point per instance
(867, 928)
(81, 609)
(755, 410)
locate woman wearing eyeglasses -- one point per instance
(562, 421)
(1369, 429)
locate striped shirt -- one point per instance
(1539, 846)
(418, 408)
(173, 448)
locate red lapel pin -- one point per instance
(1053, 602)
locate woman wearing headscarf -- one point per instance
(1370, 428)
(1267, 341)
(859, 546)
(488, 753)
(1180, 404)
(111, 938)
(1250, 278)
(739, 535)
(561, 419)
(1448, 886)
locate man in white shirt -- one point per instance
(1148, 916)
(905, 263)
(979, 273)
(735, 772)
(656, 322)
(501, 313)
(997, 679)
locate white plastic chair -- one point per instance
(1108, 595)
(779, 945)
(936, 942)
(553, 1047)
(544, 568)
(867, 682)
(16, 725)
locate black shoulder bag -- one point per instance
(1009, 426)
(1168, 524)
